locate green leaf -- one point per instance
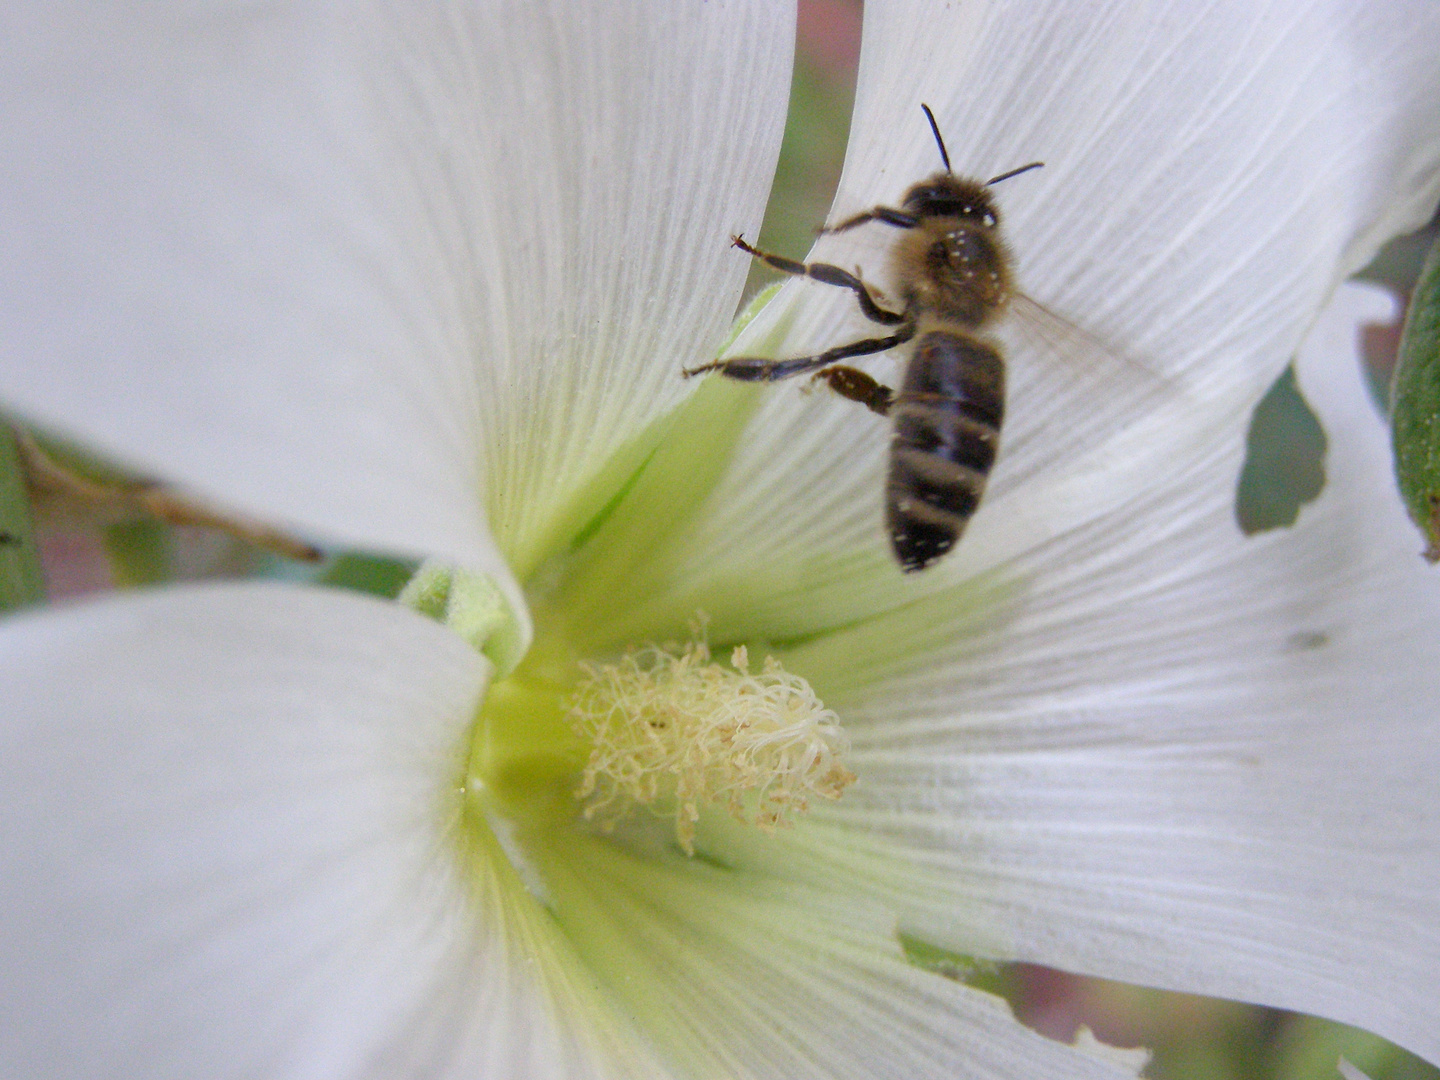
(1415, 406)
(1308, 1047)
(1284, 459)
(20, 580)
(376, 575)
(139, 552)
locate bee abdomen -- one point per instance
(947, 428)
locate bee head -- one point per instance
(948, 195)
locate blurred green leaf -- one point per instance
(811, 155)
(139, 552)
(1284, 459)
(1308, 1048)
(371, 574)
(21, 583)
(1415, 406)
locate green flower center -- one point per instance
(662, 731)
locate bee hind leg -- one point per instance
(855, 385)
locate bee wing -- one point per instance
(1069, 393)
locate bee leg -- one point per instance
(762, 369)
(854, 384)
(884, 214)
(830, 275)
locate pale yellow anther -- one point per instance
(670, 731)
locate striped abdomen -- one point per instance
(947, 427)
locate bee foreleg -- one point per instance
(884, 214)
(761, 369)
(829, 275)
(854, 384)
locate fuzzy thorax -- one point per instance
(670, 730)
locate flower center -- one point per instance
(670, 730)
(582, 724)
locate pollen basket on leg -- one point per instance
(671, 730)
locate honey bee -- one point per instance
(953, 273)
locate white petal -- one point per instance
(739, 976)
(1211, 172)
(334, 265)
(647, 136)
(234, 846)
(1189, 759)
(213, 271)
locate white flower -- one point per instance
(421, 278)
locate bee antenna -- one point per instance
(1015, 172)
(945, 157)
